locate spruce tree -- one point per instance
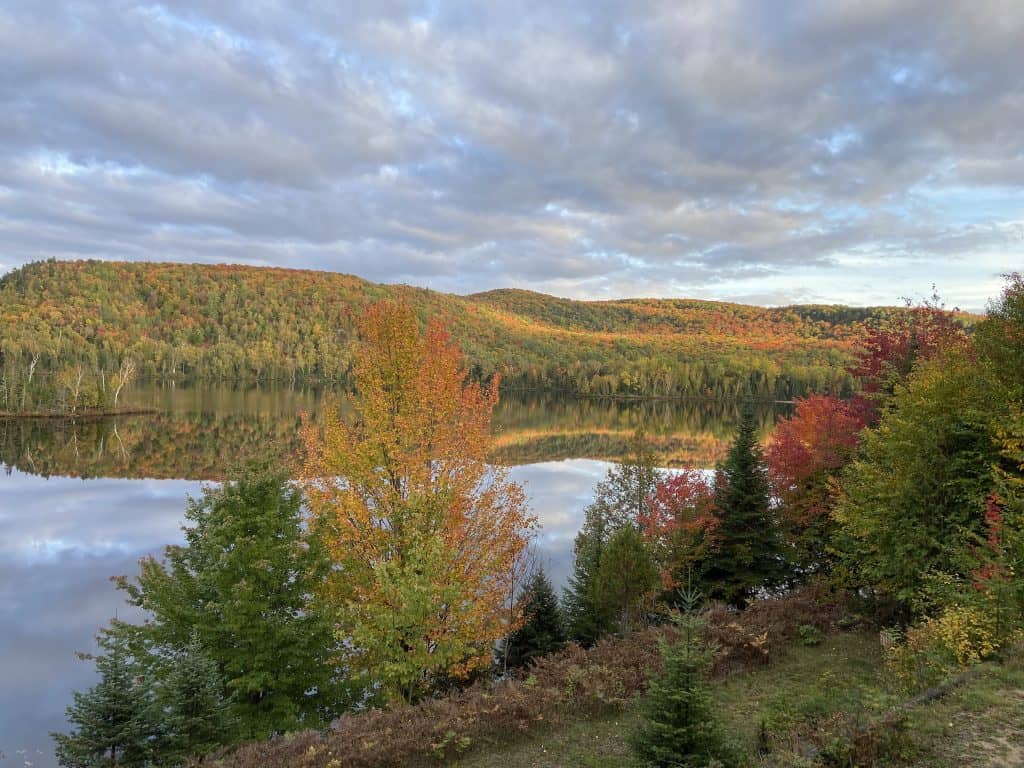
(543, 631)
(116, 720)
(586, 617)
(679, 726)
(746, 556)
(197, 716)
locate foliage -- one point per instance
(804, 454)
(542, 631)
(587, 617)
(627, 579)
(424, 534)
(620, 501)
(560, 687)
(746, 556)
(889, 351)
(116, 721)
(921, 480)
(248, 323)
(195, 713)
(679, 726)
(936, 648)
(243, 587)
(679, 523)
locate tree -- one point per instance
(587, 617)
(423, 532)
(116, 720)
(918, 488)
(746, 556)
(890, 350)
(679, 726)
(807, 449)
(620, 501)
(196, 716)
(244, 586)
(626, 579)
(623, 494)
(679, 523)
(542, 631)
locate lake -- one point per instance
(82, 502)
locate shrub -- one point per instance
(931, 651)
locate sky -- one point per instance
(761, 152)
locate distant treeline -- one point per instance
(65, 323)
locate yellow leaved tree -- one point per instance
(425, 535)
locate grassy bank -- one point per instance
(816, 705)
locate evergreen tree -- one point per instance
(627, 578)
(587, 619)
(197, 717)
(747, 551)
(542, 631)
(244, 583)
(116, 719)
(679, 727)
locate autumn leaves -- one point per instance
(424, 533)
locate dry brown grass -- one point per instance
(560, 687)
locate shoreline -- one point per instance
(81, 416)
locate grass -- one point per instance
(815, 700)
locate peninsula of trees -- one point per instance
(72, 330)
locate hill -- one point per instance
(254, 323)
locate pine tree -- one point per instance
(746, 556)
(197, 716)
(116, 719)
(587, 619)
(543, 630)
(679, 726)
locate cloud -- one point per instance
(588, 149)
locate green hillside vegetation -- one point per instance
(80, 321)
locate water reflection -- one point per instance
(83, 502)
(198, 433)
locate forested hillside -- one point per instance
(250, 323)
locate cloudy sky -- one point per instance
(763, 152)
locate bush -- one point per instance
(937, 648)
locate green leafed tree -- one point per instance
(116, 722)
(543, 630)
(627, 579)
(747, 554)
(917, 492)
(587, 618)
(620, 501)
(244, 585)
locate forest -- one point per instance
(863, 563)
(74, 333)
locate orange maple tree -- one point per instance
(424, 533)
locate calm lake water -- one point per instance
(80, 503)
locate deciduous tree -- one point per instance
(806, 451)
(422, 531)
